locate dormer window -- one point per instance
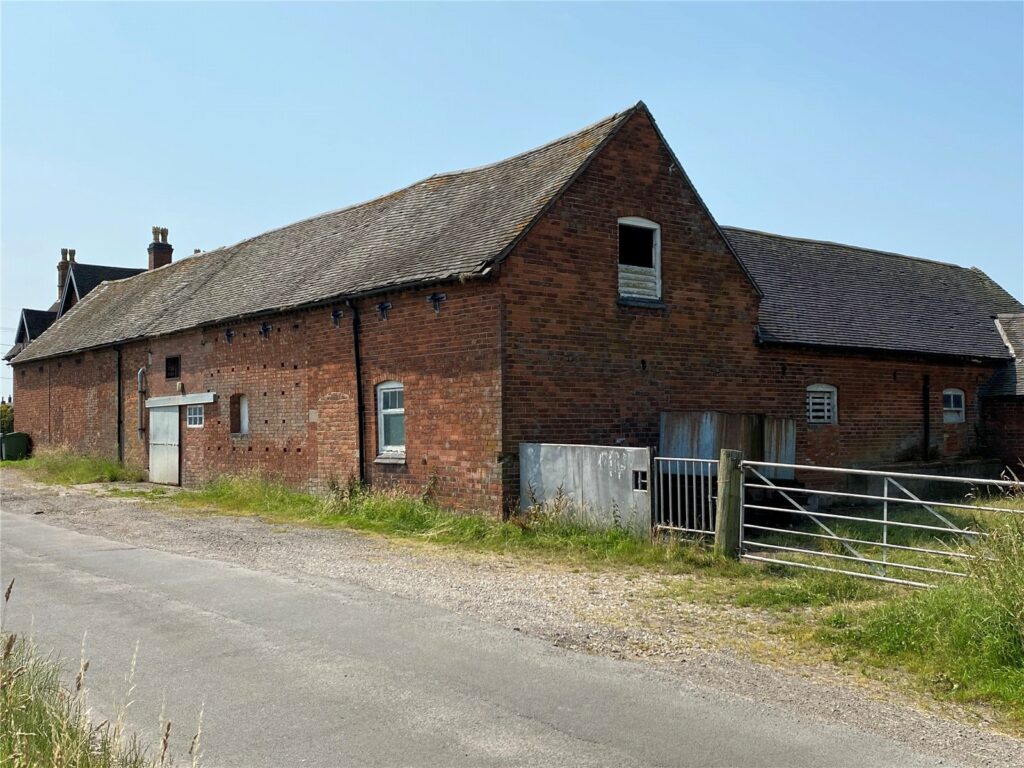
(639, 259)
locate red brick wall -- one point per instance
(581, 368)
(300, 384)
(1003, 419)
(69, 402)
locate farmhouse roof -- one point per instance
(37, 321)
(30, 325)
(88, 276)
(827, 294)
(448, 226)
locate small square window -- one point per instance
(640, 480)
(636, 246)
(172, 367)
(953, 410)
(194, 415)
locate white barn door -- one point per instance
(163, 445)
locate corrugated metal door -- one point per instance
(163, 445)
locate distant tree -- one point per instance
(6, 417)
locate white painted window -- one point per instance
(639, 258)
(391, 419)
(194, 415)
(953, 406)
(821, 404)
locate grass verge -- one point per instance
(546, 532)
(964, 640)
(63, 468)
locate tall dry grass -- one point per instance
(45, 722)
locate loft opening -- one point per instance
(639, 258)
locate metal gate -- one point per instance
(888, 533)
(685, 495)
(164, 450)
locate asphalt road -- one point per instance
(291, 673)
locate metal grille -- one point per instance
(685, 495)
(890, 535)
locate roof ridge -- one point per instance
(553, 143)
(106, 266)
(878, 251)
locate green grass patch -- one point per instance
(547, 532)
(64, 468)
(964, 639)
(803, 589)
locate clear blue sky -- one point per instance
(898, 127)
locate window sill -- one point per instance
(636, 301)
(390, 458)
(239, 435)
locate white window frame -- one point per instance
(195, 416)
(382, 449)
(832, 417)
(954, 415)
(642, 223)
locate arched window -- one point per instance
(953, 406)
(391, 419)
(239, 415)
(822, 405)
(639, 258)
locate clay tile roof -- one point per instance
(829, 294)
(445, 227)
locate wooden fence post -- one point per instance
(730, 502)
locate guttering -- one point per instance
(140, 379)
(357, 364)
(903, 354)
(120, 408)
(462, 277)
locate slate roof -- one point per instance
(33, 322)
(448, 226)
(37, 321)
(1010, 380)
(88, 276)
(828, 294)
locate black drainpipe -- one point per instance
(926, 396)
(357, 363)
(120, 409)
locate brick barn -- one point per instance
(575, 293)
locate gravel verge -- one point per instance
(609, 612)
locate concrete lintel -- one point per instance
(196, 399)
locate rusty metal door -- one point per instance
(164, 452)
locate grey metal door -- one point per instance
(163, 445)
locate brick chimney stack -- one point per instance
(159, 250)
(63, 267)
